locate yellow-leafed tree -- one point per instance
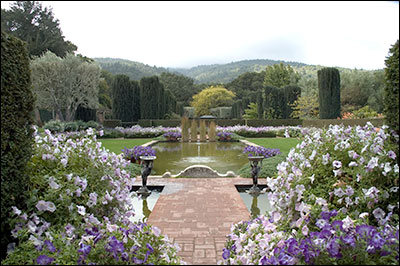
(211, 97)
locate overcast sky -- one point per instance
(185, 34)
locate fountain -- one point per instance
(147, 165)
(255, 170)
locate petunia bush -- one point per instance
(80, 208)
(350, 170)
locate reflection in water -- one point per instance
(146, 210)
(144, 205)
(256, 204)
(255, 211)
(176, 156)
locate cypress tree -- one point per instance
(275, 103)
(122, 98)
(391, 92)
(292, 93)
(150, 97)
(260, 105)
(329, 93)
(136, 100)
(17, 105)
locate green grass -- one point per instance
(116, 145)
(269, 165)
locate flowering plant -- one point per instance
(172, 135)
(252, 151)
(350, 173)
(80, 199)
(224, 136)
(137, 151)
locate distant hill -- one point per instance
(224, 73)
(210, 74)
(134, 70)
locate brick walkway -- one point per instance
(197, 213)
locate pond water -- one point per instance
(256, 204)
(176, 156)
(144, 205)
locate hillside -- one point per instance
(134, 70)
(216, 73)
(224, 73)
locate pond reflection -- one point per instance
(176, 156)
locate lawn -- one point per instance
(284, 144)
(116, 145)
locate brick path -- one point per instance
(197, 213)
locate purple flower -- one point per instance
(44, 260)
(226, 253)
(50, 246)
(365, 231)
(337, 225)
(85, 249)
(348, 240)
(334, 248)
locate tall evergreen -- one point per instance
(150, 97)
(292, 93)
(391, 93)
(329, 93)
(136, 100)
(260, 104)
(122, 98)
(275, 103)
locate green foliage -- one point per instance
(365, 112)
(246, 83)
(17, 102)
(65, 84)
(251, 112)
(329, 93)
(123, 98)
(305, 107)
(28, 21)
(211, 97)
(280, 75)
(54, 126)
(150, 92)
(275, 106)
(292, 93)
(182, 87)
(391, 96)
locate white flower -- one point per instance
(347, 223)
(45, 206)
(378, 213)
(16, 210)
(363, 215)
(81, 210)
(53, 184)
(337, 164)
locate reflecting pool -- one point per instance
(176, 156)
(256, 204)
(144, 205)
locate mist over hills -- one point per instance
(209, 74)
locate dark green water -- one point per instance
(256, 204)
(176, 156)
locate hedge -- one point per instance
(17, 105)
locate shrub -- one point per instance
(350, 173)
(17, 104)
(54, 126)
(71, 126)
(329, 93)
(391, 92)
(93, 124)
(80, 207)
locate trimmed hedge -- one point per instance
(17, 105)
(112, 123)
(320, 123)
(274, 122)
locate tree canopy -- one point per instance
(280, 75)
(28, 21)
(65, 84)
(211, 97)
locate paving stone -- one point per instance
(197, 214)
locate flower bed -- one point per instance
(172, 136)
(80, 207)
(335, 201)
(252, 151)
(265, 132)
(134, 154)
